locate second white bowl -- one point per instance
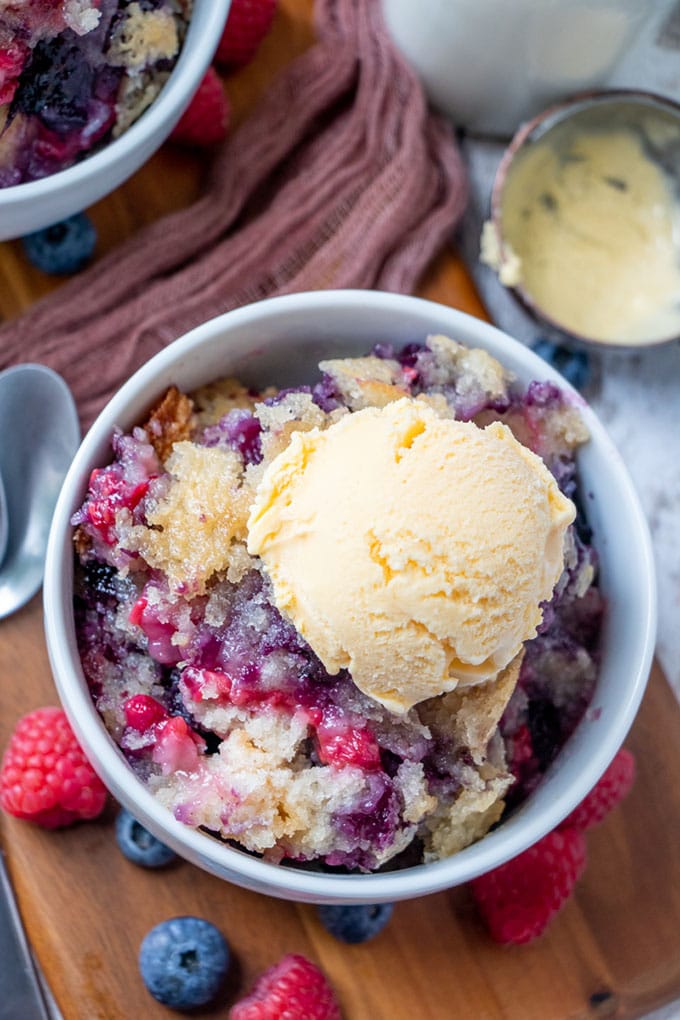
(36, 204)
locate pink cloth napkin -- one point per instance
(342, 177)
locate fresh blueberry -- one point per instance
(183, 962)
(64, 247)
(355, 924)
(573, 365)
(576, 369)
(546, 350)
(138, 844)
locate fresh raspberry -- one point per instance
(206, 119)
(248, 23)
(45, 776)
(294, 988)
(518, 899)
(611, 788)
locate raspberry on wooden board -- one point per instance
(45, 776)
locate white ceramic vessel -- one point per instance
(280, 341)
(36, 204)
(490, 64)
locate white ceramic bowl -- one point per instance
(280, 341)
(37, 204)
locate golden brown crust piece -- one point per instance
(81, 542)
(471, 714)
(143, 38)
(470, 817)
(169, 422)
(365, 382)
(477, 710)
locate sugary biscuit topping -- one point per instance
(191, 526)
(135, 95)
(469, 716)
(365, 382)
(143, 37)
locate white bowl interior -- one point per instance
(36, 204)
(279, 342)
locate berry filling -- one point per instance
(223, 709)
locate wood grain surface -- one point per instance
(613, 952)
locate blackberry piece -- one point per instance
(57, 85)
(63, 248)
(183, 962)
(354, 924)
(101, 578)
(139, 845)
(545, 728)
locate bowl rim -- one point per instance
(543, 122)
(161, 114)
(238, 866)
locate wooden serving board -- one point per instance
(614, 951)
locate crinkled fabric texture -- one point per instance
(342, 177)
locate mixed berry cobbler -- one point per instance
(218, 703)
(75, 74)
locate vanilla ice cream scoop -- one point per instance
(412, 550)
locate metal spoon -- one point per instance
(39, 434)
(4, 529)
(22, 993)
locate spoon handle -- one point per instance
(4, 524)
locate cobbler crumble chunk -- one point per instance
(219, 705)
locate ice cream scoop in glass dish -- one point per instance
(349, 597)
(88, 92)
